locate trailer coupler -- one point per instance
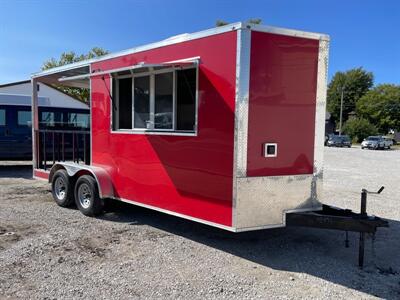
(341, 219)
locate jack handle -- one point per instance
(378, 192)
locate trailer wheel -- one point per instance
(87, 196)
(62, 189)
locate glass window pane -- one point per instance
(83, 120)
(2, 117)
(47, 119)
(186, 99)
(125, 103)
(24, 118)
(142, 102)
(163, 101)
(71, 119)
(78, 120)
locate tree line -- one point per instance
(368, 109)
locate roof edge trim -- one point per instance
(14, 83)
(158, 44)
(289, 32)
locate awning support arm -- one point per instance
(109, 94)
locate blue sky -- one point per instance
(363, 33)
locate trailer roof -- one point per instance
(26, 100)
(83, 67)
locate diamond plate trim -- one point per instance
(242, 100)
(322, 77)
(268, 199)
(241, 110)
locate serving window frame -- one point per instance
(152, 72)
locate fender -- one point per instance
(101, 176)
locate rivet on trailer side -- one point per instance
(223, 126)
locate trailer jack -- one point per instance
(342, 219)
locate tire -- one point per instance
(62, 189)
(87, 197)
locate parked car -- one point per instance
(388, 142)
(339, 141)
(376, 142)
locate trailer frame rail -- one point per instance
(342, 219)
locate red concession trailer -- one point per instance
(223, 126)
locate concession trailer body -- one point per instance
(223, 126)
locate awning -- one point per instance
(134, 69)
(52, 77)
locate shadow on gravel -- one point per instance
(320, 253)
(16, 171)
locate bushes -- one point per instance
(381, 106)
(359, 128)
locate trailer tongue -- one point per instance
(341, 219)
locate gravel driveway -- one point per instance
(50, 252)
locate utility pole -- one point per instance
(341, 111)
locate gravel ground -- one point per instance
(50, 252)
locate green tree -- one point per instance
(381, 106)
(219, 23)
(254, 21)
(359, 128)
(356, 83)
(69, 58)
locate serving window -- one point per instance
(155, 100)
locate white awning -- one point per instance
(135, 69)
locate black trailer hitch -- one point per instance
(341, 219)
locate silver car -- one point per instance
(388, 142)
(375, 142)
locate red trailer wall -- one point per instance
(187, 175)
(283, 84)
